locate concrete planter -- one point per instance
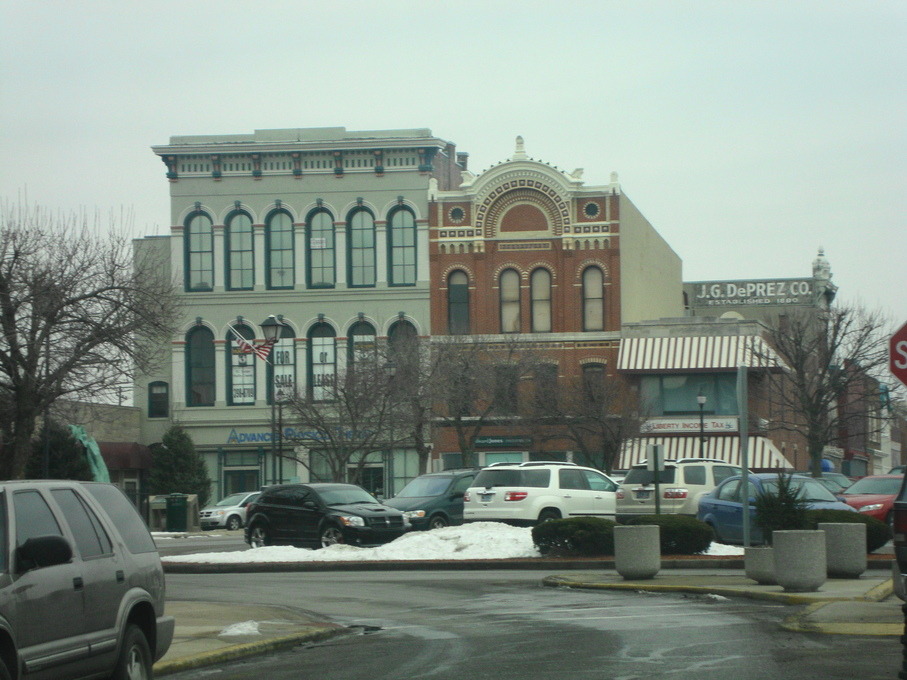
(637, 551)
(799, 560)
(845, 549)
(759, 562)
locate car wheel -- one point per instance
(259, 537)
(134, 662)
(548, 515)
(718, 538)
(331, 535)
(890, 522)
(233, 523)
(438, 522)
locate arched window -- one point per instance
(322, 362)
(593, 382)
(320, 249)
(158, 399)
(282, 367)
(279, 248)
(593, 299)
(361, 343)
(510, 301)
(400, 335)
(540, 291)
(360, 247)
(240, 255)
(402, 248)
(200, 370)
(458, 303)
(199, 241)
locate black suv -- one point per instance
(81, 584)
(319, 515)
(434, 500)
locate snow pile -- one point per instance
(477, 541)
(242, 628)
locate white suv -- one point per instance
(681, 484)
(525, 494)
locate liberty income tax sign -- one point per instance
(897, 355)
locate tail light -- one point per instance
(619, 495)
(467, 497)
(515, 495)
(900, 524)
(675, 493)
(251, 508)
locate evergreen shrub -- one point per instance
(877, 532)
(680, 534)
(575, 536)
(783, 510)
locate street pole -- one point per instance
(271, 329)
(701, 400)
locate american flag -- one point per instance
(245, 347)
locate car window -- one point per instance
(33, 517)
(728, 492)
(423, 487)
(124, 517)
(497, 477)
(722, 472)
(572, 479)
(462, 484)
(694, 474)
(231, 500)
(640, 475)
(881, 485)
(91, 539)
(598, 482)
(296, 497)
(3, 533)
(345, 495)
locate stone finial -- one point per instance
(577, 174)
(520, 151)
(613, 178)
(821, 266)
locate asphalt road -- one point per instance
(503, 625)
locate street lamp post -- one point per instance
(700, 399)
(271, 328)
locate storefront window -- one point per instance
(676, 395)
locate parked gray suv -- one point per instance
(81, 584)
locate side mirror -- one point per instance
(310, 505)
(42, 551)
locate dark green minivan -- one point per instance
(434, 500)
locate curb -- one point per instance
(245, 650)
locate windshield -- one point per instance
(807, 489)
(346, 496)
(422, 487)
(881, 485)
(640, 475)
(232, 499)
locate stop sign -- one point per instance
(897, 354)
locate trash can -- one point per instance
(176, 512)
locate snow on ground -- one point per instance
(477, 541)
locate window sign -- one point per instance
(284, 369)
(323, 367)
(318, 243)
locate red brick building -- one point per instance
(526, 250)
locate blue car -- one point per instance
(721, 508)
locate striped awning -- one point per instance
(762, 452)
(709, 352)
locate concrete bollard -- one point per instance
(845, 549)
(799, 560)
(759, 563)
(637, 551)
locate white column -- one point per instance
(299, 253)
(258, 241)
(381, 255)
(340, 254)
(220, 377)
(219, 264)
(178, 371)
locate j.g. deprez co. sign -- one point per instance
(773, 292)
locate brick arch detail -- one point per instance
(581, 267)
(593, 360)
(543, 265)
(532, 192)
(496, 275)
(470, 275)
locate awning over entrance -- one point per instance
(703, 353)
(762, 452)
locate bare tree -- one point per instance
(477, 383)
(79, 317)
(829, 386)
(595, 413)
(350, 417)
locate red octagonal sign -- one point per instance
(897, 354)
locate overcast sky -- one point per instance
(749, 133)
